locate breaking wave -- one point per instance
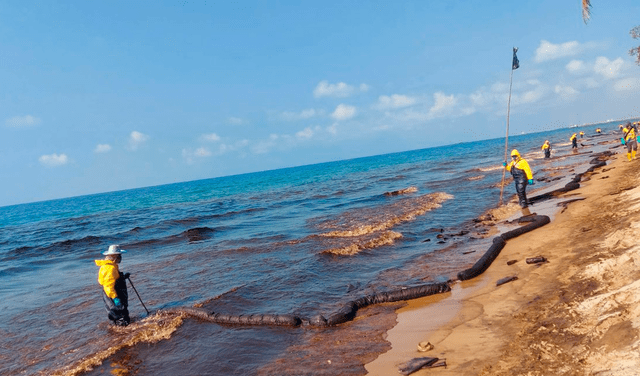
(393, 215)
(387, 238)
(369, 228)
(152, 329)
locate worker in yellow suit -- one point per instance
(629, 132)
(522, 176)
(546, 148)
(114, 286)
(574, 141)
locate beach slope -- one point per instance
(577, 314)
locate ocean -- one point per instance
(301, 240)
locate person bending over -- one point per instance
(546, 148)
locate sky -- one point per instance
(112, 95)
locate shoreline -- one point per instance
(535, 324)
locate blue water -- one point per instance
(299, 240)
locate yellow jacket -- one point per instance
(629, 132)
(521, 164)
(572, 137)
(107, 276)
(545, 146)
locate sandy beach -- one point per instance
(577, 314)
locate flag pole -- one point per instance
(515, 64)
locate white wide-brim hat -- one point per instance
(114, 249)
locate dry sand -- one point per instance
(578, 314)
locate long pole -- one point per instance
(506, 137)
(134, 289)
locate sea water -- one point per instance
(300, 240)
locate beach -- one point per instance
(345, 231)
(577, 314)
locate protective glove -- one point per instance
(622, 139)
(126, 275)
(531, 182)
(504, 164)
(118, 303)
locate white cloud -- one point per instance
(102, 148)
(627, 84)
(264, 146)
(442, 104)
(339, 90)
(480, 99)
(500, 87)
(566, 92)
(136, 139)
(590, 82)
(53, 160)
(304, 114)
(189, 155)
(344, 112)
(332, 129)
(606, 68)
(210, 137)
(468, 110)
(325, 89)
(531, 96)
(549, 51)
(226, 148)
(236, 120)
(22, 121)
(576, 66)
(305, 134)
(202, 152)
(394, 101)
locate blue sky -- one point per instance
(103, 96)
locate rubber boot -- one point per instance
(633, 154)
(525, 212)
(629, 156)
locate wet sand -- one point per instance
(577, 314)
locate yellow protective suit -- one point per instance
(520, 164)
(521, 173)
(574, 141)
(546, 148)
(630, 140)
(630, 134)
(107, 276)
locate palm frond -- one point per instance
(635, 52)
(586, 10)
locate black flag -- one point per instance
(515, 64)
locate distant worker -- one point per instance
(630, 140)
(546, 148)
(522, 176)
(598, 130)
(114, 286)
(574, 141)
(581, 134)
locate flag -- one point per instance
(515, 64)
